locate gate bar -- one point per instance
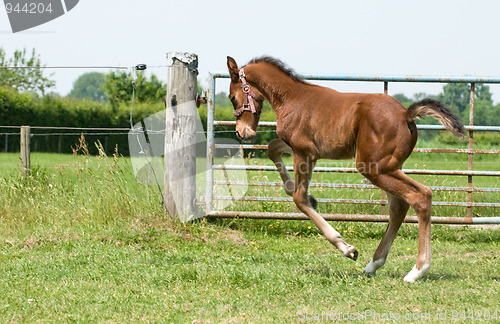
(353, 170)
(353, 217)
(388, 78)
(425, 127)
(424, 150)
(346, 186)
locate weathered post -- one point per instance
(180, 135)
(25, 149)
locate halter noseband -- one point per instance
(248, 104)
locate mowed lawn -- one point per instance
(81, 241)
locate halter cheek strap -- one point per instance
(248, 94)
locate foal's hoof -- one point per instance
(313, 202)
(352, 253)
(416, 274)
(369, 274)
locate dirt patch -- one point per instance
(231, 235)
(31, 242)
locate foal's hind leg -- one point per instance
(397, 210)
(303, 167)
(419, 197)
(276, 148)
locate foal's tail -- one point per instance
(436, 109)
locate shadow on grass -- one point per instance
(428, 277)
(451, 277)
(326, 271)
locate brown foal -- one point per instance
(315, 122)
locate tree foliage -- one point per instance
(118, 88)
(89, 86)
(401, 98)
(26, 74)
(456, 96)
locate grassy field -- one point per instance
(81, 240)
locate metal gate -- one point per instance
(470, 190)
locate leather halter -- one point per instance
(248, 104)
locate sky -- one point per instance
(384, 37)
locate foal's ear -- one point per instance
(233, 69)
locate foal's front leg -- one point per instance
(275, 151)
(303, 167)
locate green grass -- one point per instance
(81, 240)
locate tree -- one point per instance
(493, 116)
(485, 113)
(118, 88)
(404, 100)
(482, 92)
(27, 74)
(457, 95)
(401, 97)
(89, 86)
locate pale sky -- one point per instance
(389, 37)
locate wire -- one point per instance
(64, 67)
(75, 134)
(137, 67)
(232, 131)
(73, 128)
(132, 106)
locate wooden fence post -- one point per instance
(25, 149)
(180, 135)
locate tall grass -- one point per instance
(83, 191)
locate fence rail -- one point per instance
(11, 138)
(209, 199)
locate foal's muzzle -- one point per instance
(246, 134)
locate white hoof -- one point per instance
(416, 274)
(373, 266)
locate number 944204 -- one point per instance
(28, 8)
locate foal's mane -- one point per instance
(280, 65)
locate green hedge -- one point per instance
(18, 109)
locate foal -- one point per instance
(314, 123)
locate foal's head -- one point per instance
(247, 102)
